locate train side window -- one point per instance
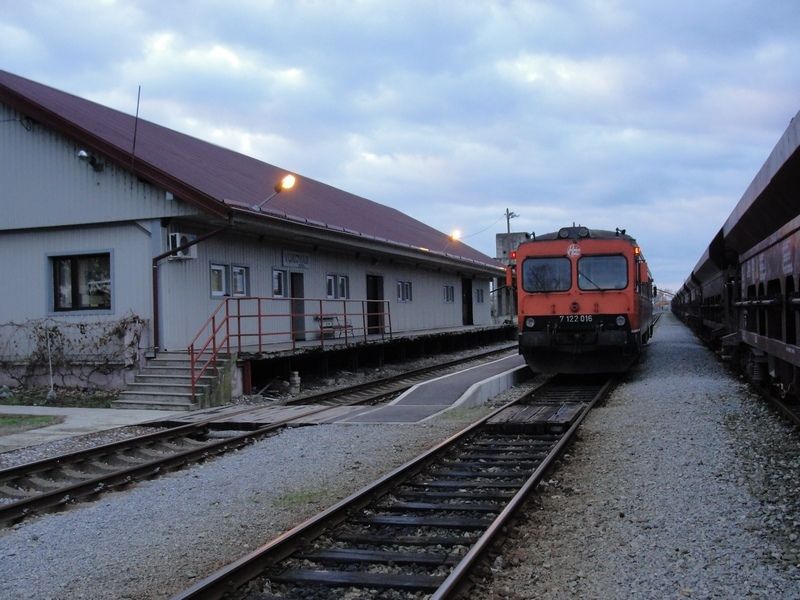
(546, 274)
(602, 273)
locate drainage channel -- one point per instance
(417, 532)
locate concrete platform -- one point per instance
(77, 421)
(467, 388)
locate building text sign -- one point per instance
(297, 260)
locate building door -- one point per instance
(466, 301)
(297, 293)
(375, 309)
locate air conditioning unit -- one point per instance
(176, 240)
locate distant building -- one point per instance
(93, 200)
(506, 245)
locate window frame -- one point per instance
(479, 296)
(405, 292)
(449, 294)
(225, 291)
(560, 259)
(283, 279)
(245, 279)
(602, 289)
(330, 287)
(342, 287)
(54, 282)
(337, 287)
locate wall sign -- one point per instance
(297, 260)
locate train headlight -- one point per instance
(620, 321)
(529, 322)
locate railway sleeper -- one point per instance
(443, 506)
(357, 555)
(407, 540)
(493, 495)
(424, 521)
(358, 579)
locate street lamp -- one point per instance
(286, 183)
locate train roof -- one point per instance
(770, 199)
(579, 232)
(766, 205)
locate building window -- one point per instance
(449, 294)
(479, 296)
(404, 291)
(337, 286)
(82, 282)
(240, 281)
(219, 280)
(330, 286)
(278, 283)
(343, 287)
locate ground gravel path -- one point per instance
(162, 535)
(682, 485)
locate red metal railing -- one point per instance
(252, 324)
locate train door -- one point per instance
(466, 302)
(375, 305)
(298, 306)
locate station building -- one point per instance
(122, 240)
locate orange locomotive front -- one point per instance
(585, 301)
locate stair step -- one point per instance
(153, 404)
(176, 371)
(165, 388)
(144, 395)
(166, 379)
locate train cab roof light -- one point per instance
(513, 255)
(563, 233)
(637, 251)
(583, 232)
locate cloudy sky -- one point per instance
(652, 116)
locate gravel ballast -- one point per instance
(160, 536)
(682, 484)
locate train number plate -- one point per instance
(575, 319)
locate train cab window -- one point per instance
(602, 273)
(546, 274)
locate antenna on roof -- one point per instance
(135, 127)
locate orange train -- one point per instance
(584, 299)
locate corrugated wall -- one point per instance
(187, 302)
(26, 271)
(45, 184)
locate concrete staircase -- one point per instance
(166, 384)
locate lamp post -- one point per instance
(454, 236)
(286, 183)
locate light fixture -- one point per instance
(455, 235)
(286, 183)
(91, 159)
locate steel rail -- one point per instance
(246, 568)
(238, 573)
(15, 511)
(476, 552)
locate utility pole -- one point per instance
(509, 215)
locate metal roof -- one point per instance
(220, 181)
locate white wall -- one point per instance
(45, 184)
(187, 301)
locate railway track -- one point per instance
(56, 482)
(418, 531)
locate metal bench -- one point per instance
(331, 326)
